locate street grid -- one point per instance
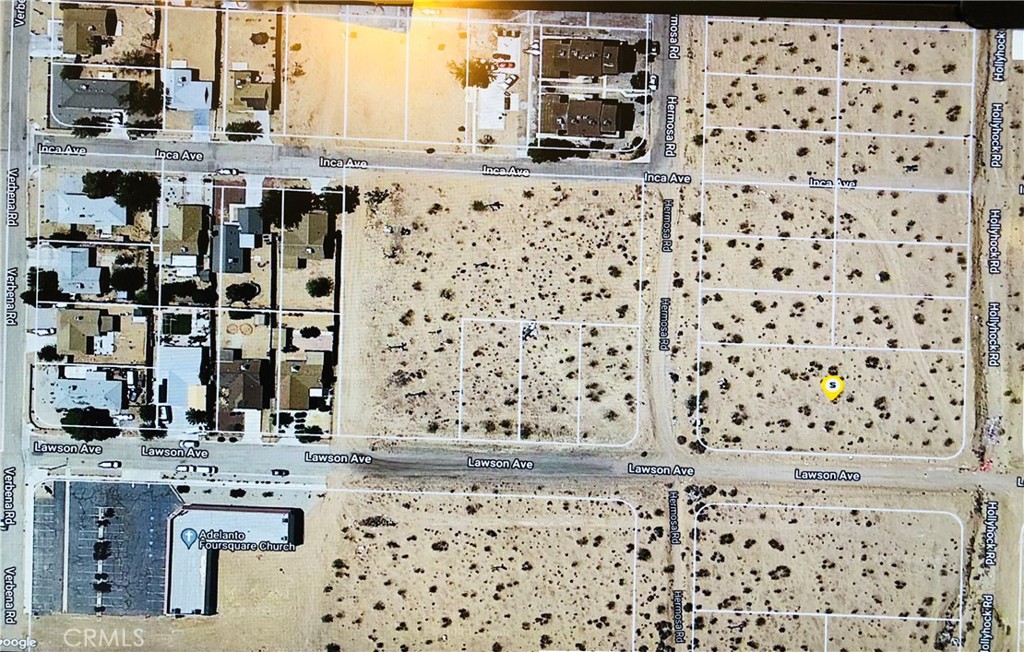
(825, 615)
(199, 483)
(523, 324)
(706, 235)
(409, 19)
(277, 313)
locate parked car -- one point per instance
(652, 82)
(279, 472)
(186, 468)
(506, 64)
(110, 464)
(229, 171)
(190, 443)
(204, 468)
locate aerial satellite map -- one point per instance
(353, 327)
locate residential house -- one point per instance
(86, 332)
(302, 382)
(78, 209)
(179, 385)
(245, 384)
(591, 118)
(250, 93)
(74, 99)
(569, 58)
(94, 389)
(185, 92)
(77, 272)
(184, 238)
(310, 240)
(233, 242)
(84, 29)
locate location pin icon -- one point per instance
(189, 536)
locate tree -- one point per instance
(49, 354)
(189, 290)
(242, 292)
(555, 149)
(319, 286)
(90, 126)
(310, 331)
(42, 283)
(143, 99)
(137, 191)
(139, 57)
(196, 417)
(288, 206)
(244, 130)
(89, 424)
(340, 199)
(71, 71)
(143, 128)
(128, 279)
(479, 73)
(101, 183)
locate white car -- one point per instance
(190, 443)
(229, 171)
(206, 469)
(652, 82)
(186, 468)
(110, 464)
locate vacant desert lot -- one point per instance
(444, 280)
(765, 572)
(447, 572)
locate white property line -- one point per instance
(839, 132)
(202, 482)
(348, 37)
(696, 539)
(857, 188)
(520, 324)
(579, 384)
(286, 71)
(832, 347)
(1020, 594)
(698, 416)
(835, 190)
(781, 184)
(829, 614)
(408, 44)
(852, 80)
(795, 23)
(811, 293)
(967, 284)
(864, 241)
(340, 335)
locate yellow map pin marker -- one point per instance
(832, 386)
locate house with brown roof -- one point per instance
(308, 241)
(85, 332)
(84, 29)
(250, 93)
(184, 237)
(245, 384)
(590, 118)
(302, 382)
(569, 58)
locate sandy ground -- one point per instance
(768, 398)
(375, 103)
(423, 260)
(315, 76)
(189, 34)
